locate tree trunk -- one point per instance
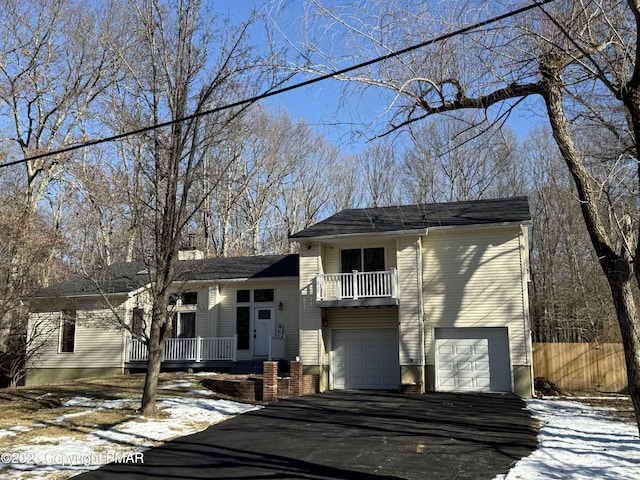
(155, 346)
(616, 265)
(621, 286)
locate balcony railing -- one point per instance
(357, 285)
(196, 349)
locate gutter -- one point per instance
(420, 231)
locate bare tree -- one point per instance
(379, 164)
(52, 69)
(461, 158)
(177, 64)
(569, 299)
(578, 58)
(19, 341)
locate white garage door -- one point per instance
(365, 359)
(473, 359)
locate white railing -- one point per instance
(189, 349)
(356, 285)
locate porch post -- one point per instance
(355, 284)
(235, 348)
(270, 382)
(198, 349)
(394, 282)
(319, 286)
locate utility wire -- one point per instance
(284, 89)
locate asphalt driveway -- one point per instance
(350, 435)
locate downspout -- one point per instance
(423, 358)
(526, 278)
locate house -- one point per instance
(428, 297)
(227, 310)
(419, 297)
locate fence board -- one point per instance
(581, 366)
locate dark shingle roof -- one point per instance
(122, 278)
(420, 217)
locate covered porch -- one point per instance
(200, 351)
(196, 350)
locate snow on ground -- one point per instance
(46, 457)
(578, 441)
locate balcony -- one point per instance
(187, 350)
(357, 289)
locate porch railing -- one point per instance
(196, 349)
(356, 285)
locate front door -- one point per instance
(263, 327)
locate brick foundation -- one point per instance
(412, 388)
(242, 387)
(267, 389)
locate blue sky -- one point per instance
(320, 103)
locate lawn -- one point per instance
(55, 431)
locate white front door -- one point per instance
(263, 327)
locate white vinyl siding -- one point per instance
(410, 309)
(99, 341)
(362, 317)
(472, 278)
(311, 346)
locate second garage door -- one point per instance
(473, 359)
(365, 359)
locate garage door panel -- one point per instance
(473, 359)
(365, 359)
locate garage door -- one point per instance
(473, 360)
(365, 359)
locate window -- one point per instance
(263, 295)
(184, 305)
(184, 298)
(184, 325)
(68, 331)
(137, 322)
(189, 298)
(362, 260)
(243, 327)
(243, 296)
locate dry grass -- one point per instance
(42, 415)
(622, 407)
(40, 411)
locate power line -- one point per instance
(284, 89)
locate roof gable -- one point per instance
(420, 217)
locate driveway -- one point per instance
(351, 435)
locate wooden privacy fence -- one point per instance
(581, 366)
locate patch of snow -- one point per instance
(579, 442)
(20, 428)
(46, 456)
(175, 384)
(98, 403)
